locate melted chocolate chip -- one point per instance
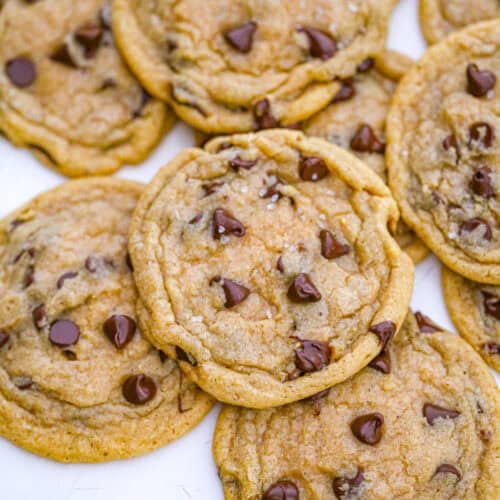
(425, 324)
(29, 276)
(321, 44)
(92, 263)
(491, 348)
(365, 141)
(316, 398)
(90, 38)
(241, 37)
(224, 224)
(273, 191)
(368, 428)
(302, 290)
(382, 362)
(21, 71)
(30, 252)
(211, 188)
(237, 163)
(449, 142)
(331, 247)
(66, 276)
(279, 265)
(448, 469)
(234, 292)
(346, 487)
(23, 383)
(313, 356)
(479, 82)
(196, 218)
(346, 92)
(384, 331)
(119, 329)
(481, 182)
(69, 355)
(491, 304)
(264, 116)
(139, 389)
(312, 168)
(145, 98)
(185, 356)
(39, 316)
(366, 65)
(64, 333)
(62, 55)
(163, 357)
(4, 338)
(472, 224)
(432, 412)
(282, 490)
(483, 133)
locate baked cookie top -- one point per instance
(423, 423)
(439, 18)
(65, 92)
(355, 120)
(444, 147)
(78, 382)
(230, 67)
(475, 311)
(265, 259)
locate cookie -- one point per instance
(439, 18)
(65, 92)
(266, 266)
(230, 67)
(78, 382)
(443, 132)
(475, 311)
(355, 120)
(421, 423)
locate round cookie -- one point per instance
(439, 18)
(475, 311)
(78, 383)
(423, 423)
(355, 120)
(65, 92)
(230, 67)
(266, 266)
(443, 133)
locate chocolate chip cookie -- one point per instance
(78, 382)
(355, 120)
(230, 67)
(443, 151)
(475, 311)
(65, 92)
(439, 18)
(422, 422)
(266, 266)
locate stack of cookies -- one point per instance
(269, 269)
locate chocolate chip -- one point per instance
(92, 263)
(279, 265)
(234, 292)
(196, 218)
(66, 276)
(450, 141)
(273, 191)
(4, 338)
(163, 357)
(479, 82)
(145, 98)
(29, 276)
(491, 348)
(472, 224)
(30, 252)
(491, 304)
(382, 362)
(264, 116)
(39, 316)
(224, 224)
(64, 333)
(483, 133)
(139, 389)
(237, 163)
(69, 355)
(316, 398)
(282, 490)
(346, 487)
(368, 428)
(425, 324)
(23, 383)
(432, 412)
(119, 329)
(346, 92)
(312, 168)
(366, 65)
(241, 37)
(313, 356)
(331, 247)
(302, 290)
(481, 182)
(185, 356)
(448, 469)
(128, 261)
(384, 331)
(90, 38)
(211, 188)
(62, 55)
(365, 141)
(21, 71)
(321, 44)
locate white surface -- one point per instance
(183, 470)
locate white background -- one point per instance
(183, 470)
